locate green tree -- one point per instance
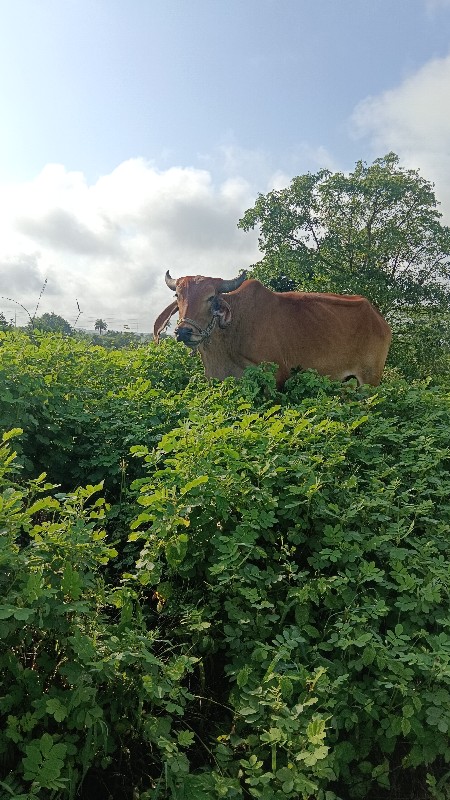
(51, 323)
(100, 326)
(115, 340)
(376, 231)
(4, 324)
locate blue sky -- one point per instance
(135, 134)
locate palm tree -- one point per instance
(100, 326)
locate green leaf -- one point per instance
(176, 549)
(56, 709)
(202, 479)
(243, 676)
(21, 614)
(7, 435)
(72, 582)
(273, 735)
(406, 726)
(185, 738)
(316, 730)
(44, 761)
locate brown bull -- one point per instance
(337, 335)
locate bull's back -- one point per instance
(338, 335)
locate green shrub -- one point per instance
(304, 552)
(421, 343)
(82, 407)
(81, 677)
(278, 624)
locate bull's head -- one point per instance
(201, 306)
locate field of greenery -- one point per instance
(218, 590)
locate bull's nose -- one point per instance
(183, 334)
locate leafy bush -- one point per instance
(278, 624)
(312, 544)
(421, 343)
(81, 407)
(82, 679)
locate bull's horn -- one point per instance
(170, 281)
(234, 283)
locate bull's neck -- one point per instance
(218, 350)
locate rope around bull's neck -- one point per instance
(205, 333)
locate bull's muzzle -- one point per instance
(191, 334)
(184, 334)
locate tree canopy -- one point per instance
(376, 231)
(51, 323)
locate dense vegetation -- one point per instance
(219, 590)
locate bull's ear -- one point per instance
(163, 320)
(223, 313)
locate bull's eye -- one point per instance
(212, 298)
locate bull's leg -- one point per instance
(371, 375)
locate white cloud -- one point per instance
(108, 245)
(413, 120)
(263, 170)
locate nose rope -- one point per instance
(205, 333)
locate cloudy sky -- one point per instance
(135, 133)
